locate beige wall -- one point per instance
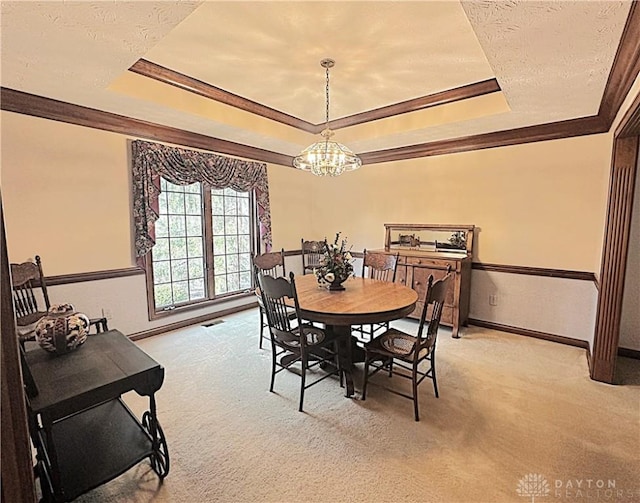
(540, 204)
(290, 193)
(67, 197)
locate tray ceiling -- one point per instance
(550, 59)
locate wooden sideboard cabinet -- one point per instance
(432, 249)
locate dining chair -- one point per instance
(382, 267)
(409, 351)
(271, 263)
(303, 343)
(312, 252)
(28, 288)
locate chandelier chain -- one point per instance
(327, 95)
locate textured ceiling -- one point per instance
(551, 59)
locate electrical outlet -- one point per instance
(106, 313)
(493, 300)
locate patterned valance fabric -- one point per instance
(151, 161)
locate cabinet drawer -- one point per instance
(431, 262)
(436, 263)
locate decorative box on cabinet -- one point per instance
(426, 249)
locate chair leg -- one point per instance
(303, 375)
(261, 326)
(336, 348)
(366, 377)
(433, 373)
(390, 364)
(414, 385)
(273, 365)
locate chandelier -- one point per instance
(327, 157)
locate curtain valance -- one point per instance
(151, 161)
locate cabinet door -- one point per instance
(421, 280)
(419, 284)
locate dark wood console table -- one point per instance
(83, 432)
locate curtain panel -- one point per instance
(151, 161)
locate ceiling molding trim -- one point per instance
(47, 108)
(541, 132)
(449, 96)
(186, 83)
(167, 76)
(625, 68)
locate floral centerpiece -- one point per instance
(336, 264)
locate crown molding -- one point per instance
(625, 68)
(47, 108)
(190, 84)
(541, 132)
(449, 96)
(186, 83)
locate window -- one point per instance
(198, 259)
(232, 237)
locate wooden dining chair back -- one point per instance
(408, 352)
(29, 287)
(30, 296)
(382, 267)
(312, 252)
(271, 263)
(295, 346)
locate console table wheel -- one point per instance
(160, 456)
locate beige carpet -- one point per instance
(509, 407)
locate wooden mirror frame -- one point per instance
(467, 229)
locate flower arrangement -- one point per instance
(336, 264)
(458, 240)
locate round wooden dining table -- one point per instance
(362, 301)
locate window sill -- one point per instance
(157, 315)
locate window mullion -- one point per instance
(208, 239)
(254, 224)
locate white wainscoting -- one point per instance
(557, 306)
(125, 299)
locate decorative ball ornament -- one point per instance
(62, 330)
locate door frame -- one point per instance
(615, 247)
